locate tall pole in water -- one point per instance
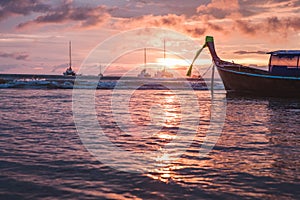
(212, 81)
(70, 64)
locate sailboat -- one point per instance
(164, 73)
(144, 73)
(69, 71)
(100, 73)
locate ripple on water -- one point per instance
(42, 156)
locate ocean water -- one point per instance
(43, 156)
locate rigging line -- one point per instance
(207, 70)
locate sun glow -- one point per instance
(171, 62)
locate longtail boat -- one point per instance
(282, 79)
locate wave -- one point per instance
(107, 84)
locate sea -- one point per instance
(147, 144)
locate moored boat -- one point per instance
(69, 71)
(163, 73)
(282, 79)
(144, 73)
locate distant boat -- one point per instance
(144, 73)
(69, 71)
(282, 79)
(163, 73)
(100, 73)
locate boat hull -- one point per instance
(259, 84)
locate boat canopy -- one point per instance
(285, 62)
(285, 52)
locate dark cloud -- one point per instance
(67, 12)
(17, 56)
(172, 20)
(216, 12)
(177, 22)
(168, 21)
(173, 14)
(10, 8)
(90, 14)
(262, 3)
(136, 8)
(249, 52)
(215, 27)
(253, 7)
(196, 32)
(247, 27)
(221, 9)
(271, 25)
(283, 24)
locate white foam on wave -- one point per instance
(106, 84)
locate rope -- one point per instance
(206, 70)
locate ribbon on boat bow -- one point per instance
(189, 72)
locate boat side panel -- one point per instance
(244, 83)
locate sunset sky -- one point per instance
(35, 33)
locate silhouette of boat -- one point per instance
(163, 73)
(69, 71)
(281, 80)
(144, 73)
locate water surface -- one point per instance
(43, 157)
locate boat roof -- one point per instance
(285, 52)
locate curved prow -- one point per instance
(209, 42)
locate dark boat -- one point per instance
(69, 71)
(281, 80)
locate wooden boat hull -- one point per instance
(237, 80)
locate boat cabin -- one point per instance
(285, 62)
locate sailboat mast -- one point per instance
(145, 57)
(164, 54)
(70, 59)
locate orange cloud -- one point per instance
(220, 9)
(177, 22)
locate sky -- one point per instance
(35, 34)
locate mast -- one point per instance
(145, 58)
(100, 73)
(164, 54)
(70, 58)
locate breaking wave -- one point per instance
(107, 84)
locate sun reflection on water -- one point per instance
(256, 157)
